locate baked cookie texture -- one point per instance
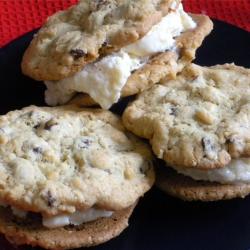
(62, 159)
(188, 189)
(30, 231)
(72, 38)
(76, 42)
(198, 122)
(162, 65)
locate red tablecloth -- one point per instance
(19, 16)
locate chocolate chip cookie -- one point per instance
(199, 125)
(68, 167)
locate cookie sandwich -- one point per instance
(70, 177)
(106, 50)
(198, 125)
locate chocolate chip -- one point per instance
(230, 140)
(102, 2)
(206, 144)
(77, 53)
(105, 48)
(194, 79)
(86, 143)
(173, 109)
(52, 122)
(37, 125)
(38, 150)
(83, 142)
(51, 200)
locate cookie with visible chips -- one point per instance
(166, 64)
(70, 166)
(199, 125)
(123, 47)
(72, 38)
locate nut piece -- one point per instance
(50, 123)
(3, 139)
(129, 173)
(205, 116)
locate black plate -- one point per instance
(159, 221)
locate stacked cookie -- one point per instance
(122, 47)
(71, 175)
(198, 124)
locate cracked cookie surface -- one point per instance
(70, 39)
(58, 160)
(200, 120)
(165, 64)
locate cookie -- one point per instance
(129, 65)
(188, 189)
(70, 39)
(200, 120)
(198, 125)
(31, 231)
(63, 160)
(166, 64)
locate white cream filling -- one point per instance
(76, 218)
(236, 172)
(104, 79)
(161, 37)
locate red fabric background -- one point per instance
(20, 16)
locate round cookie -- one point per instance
(200, 120)
(166, 64)
(62, 159)
(31, 231)
(186, 188)
(70, 39)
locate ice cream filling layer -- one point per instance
(104, 78)
(76, 218)
(237, 172)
